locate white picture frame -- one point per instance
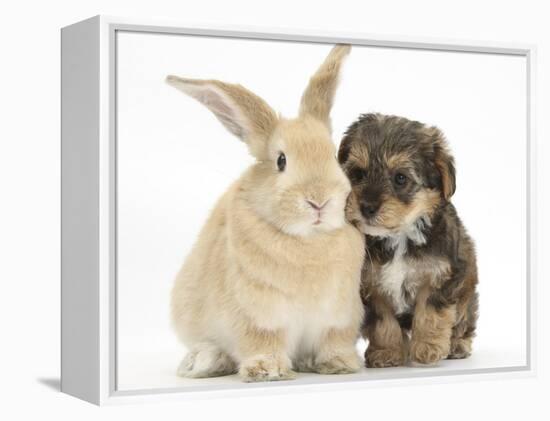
(89, 158)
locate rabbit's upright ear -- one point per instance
(319, 95)
(243, 113)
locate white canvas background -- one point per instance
(175, 159)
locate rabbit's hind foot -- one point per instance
(206, 360)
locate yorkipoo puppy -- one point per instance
(419, 276)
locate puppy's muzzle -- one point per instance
(369, 209)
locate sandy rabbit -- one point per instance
(272, 283)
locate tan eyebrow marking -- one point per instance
(359, 155)
(398, 160)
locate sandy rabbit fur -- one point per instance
(272, 283)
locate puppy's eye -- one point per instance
(281, 162)
(400, 179)
(356, 175)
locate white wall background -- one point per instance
(175, 159)
(29, 170)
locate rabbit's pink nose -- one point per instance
(315, 205)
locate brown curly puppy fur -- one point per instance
(419, 277)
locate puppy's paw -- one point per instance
(460, 348)
(427, 353)
(265, 368)
(380, 358)
(338, 364)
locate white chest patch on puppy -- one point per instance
(398, 275)
(400, 279)
(393, 276)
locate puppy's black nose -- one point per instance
(369, 209)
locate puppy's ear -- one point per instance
(243, 113)
(344, 150)
(444, 164)
(319, 95)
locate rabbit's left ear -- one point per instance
(319, 95)
(243, 113)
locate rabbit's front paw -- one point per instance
(265, 368)
(339, 364)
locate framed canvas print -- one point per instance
(250, 210)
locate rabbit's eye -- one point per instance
(281, 162)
